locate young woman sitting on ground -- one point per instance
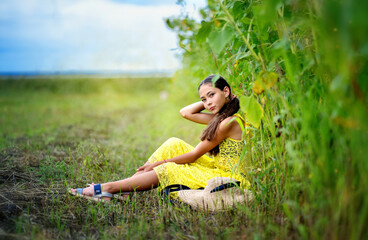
(176, 162)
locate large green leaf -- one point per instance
(218, 39)
(204, 31)
(239, 9)
(266, 13)
(253, 110)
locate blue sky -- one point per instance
(89, 35)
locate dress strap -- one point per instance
(242, 119)
(239, 116)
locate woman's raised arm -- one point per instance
(193, 112)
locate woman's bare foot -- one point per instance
(89, 191)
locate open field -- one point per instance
(60, 133)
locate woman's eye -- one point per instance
(211, 95)
(203, 100)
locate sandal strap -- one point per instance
(80, 191)
(103, 194)
(99, 193)
(97, 189)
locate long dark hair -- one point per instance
(230, 108)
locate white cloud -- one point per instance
(91, 35)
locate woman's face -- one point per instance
(213, 98)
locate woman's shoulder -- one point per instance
(232, 119)
(229, 122)
(231, 127)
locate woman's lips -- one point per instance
(212, 108)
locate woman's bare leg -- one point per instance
(138, 182)
(142, 181)
(138, 173)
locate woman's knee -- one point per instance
(173, 141)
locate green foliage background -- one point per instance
(308, 158)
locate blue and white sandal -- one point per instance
(97, 196)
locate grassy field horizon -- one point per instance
(61, 133)
(102, 74)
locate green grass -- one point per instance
(54, 138)
(59, 133)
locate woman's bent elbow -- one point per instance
(183, 114)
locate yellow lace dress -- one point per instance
(196, 174)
